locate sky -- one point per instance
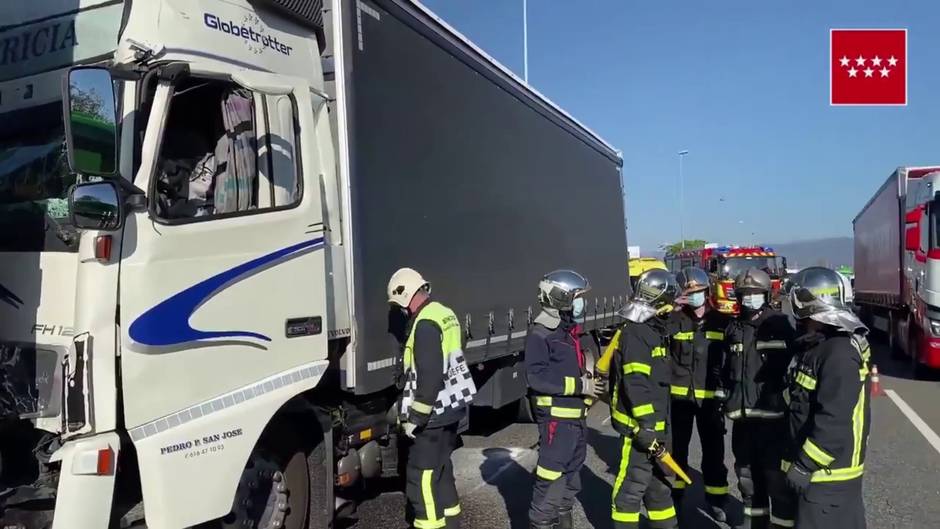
(742, 85)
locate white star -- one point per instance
(860, 61)
(884, 72)
(868, 72)
(852, 72)
(876, 61)
(892, 61)
(844, 60)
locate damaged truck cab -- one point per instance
(200, 204)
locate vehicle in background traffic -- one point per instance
(897, 263)
(199, 331)
(638, 265)
(724, 263)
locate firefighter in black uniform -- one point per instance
(559, 382)
(759, 345)
(697, 354)
(639, 404)
(829, 412)
(435, 401)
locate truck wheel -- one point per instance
(283, 485)
(913, 346)
(892, 335)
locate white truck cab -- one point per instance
(202, 201)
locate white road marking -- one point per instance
(607, 420)
(915, 419)
(515, 456)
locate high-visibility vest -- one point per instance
(459, 388)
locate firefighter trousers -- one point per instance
(707, 416)
(829, 505)
(757, 446)
(430, 487)
(562, 449)
(640, 481)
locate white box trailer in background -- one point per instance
(215, 343)
(897, 273)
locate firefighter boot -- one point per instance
(716, 507)
(565, 519)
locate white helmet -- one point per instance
(404, 284)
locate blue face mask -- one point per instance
(577, 308)
(696, 299)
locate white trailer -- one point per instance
(197, 332)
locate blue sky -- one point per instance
(743, 85)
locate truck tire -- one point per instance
(892, 337)
(286, 484)
(913, 346)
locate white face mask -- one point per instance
(753, 301)
(697, 299)
(577, 308)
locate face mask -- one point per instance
(696, 299)
(577, 308)
(753, 301)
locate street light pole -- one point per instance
(525, 40)
(682, 155)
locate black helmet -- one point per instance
(657, 288)
(692, 279)
(558, 289)
(816, 290)
(752, 279)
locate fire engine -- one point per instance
(724, 263)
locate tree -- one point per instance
(88, 102)
(690, 244)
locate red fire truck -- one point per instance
(724, 263)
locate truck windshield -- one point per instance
(34, 182)
(735, 265)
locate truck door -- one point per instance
(222, 282)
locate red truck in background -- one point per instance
(897, 264)
(724, 263)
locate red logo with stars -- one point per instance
(868, 67)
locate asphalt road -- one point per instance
(902, 480)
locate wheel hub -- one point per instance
(261, 500)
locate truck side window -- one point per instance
(221, 157)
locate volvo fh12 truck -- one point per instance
(201, 204)
(897, 264)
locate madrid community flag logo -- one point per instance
(868, 67)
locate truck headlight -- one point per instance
(935, 327)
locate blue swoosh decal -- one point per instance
(167, 324)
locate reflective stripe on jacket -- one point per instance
(697, 350)
(459, 387)
(640, 376)
(758, 355)
(830, 412)
(554, 370)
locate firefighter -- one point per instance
(639, 404)
(697, 354)
(759, 345)
(559, 382)
(437, 392)
(829, 412)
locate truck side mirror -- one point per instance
(912, 238)
(91, 121)
(96, 206)
(783, 263)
